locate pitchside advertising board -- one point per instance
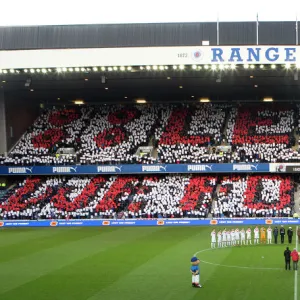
(152, 169)
(152, 222)
(135, 169)
(285, 168)
(143, 56)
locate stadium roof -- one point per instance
(146, 35)
(170, 85)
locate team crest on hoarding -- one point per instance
(281, 168)
(197, 55)
(53, 223)
(106, 223)
(160, 222)
(269, 222)
(1, 224)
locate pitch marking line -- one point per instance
(230, 266)
(296, 272)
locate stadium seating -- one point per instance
(262, 134)
(248, 196)
(187, 132)
(183, 196)
(53, 129)
(149, 197)
(112, 134)
(107, 197)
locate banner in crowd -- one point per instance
(135, 169)
(152, 222)
(149, 56)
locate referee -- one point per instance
(290, 234)
(282, 234)
(287, 257)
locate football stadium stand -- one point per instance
(255, 196)
(149, 197)
(180, 134)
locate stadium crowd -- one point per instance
(152, 196)
(112, 134)
(262, 135)
(188, 133)
(255, 196)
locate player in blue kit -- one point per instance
(195, 270)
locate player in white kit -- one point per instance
(243, 236)
(269, 235)
(219, 239)
(248, 233)
(233, 237)
(256, 235)
(237, 236)
(228, 238)
(224, 238)
(213, 239)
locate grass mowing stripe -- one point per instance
(14, 236)
(62, 236)
(20, 271)
(90, 275)
(152, 263)
(166, 275)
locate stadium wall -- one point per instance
(20, 114)
(146, 35)
(3, 143)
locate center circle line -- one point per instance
(231, 266)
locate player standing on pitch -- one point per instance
(228, 238)
(232, 237)
(263, 235)
(269, 235)
(213, 239)
(256, 235)
(220, 239)
(237, 236)
(248, 232)
(224, 238)
(243, 236)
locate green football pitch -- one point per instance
(136, 263)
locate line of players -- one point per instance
(236, 237)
